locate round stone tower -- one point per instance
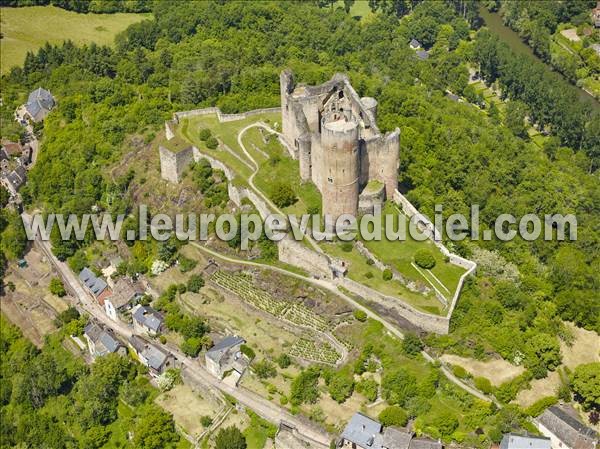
(339, 142)
(370, 104)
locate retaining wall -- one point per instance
(223, 117)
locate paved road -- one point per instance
(251, 400)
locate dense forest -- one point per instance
(195, 54)
(51, 400)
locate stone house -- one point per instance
(514, 441)
(146, 320)
(415, 44)
(149, 355)
(226, 356)
(39, 104)
(363, 432)
(564, 429)
(95, 285)
(124, 294)
(102, 341)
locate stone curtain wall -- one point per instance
(397, 309)
(296, 254)
(172, 165)
(428, 229)
(223, 117)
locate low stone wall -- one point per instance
(433, 234)
(397, 309)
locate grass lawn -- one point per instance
(359, 9)
(258, 431)
(29, 28)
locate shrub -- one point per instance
(57, 288)
(264, 369)
(195, 283)
(369, 275)
(540, 405)
(186, 264)
(341, 386)
(370, 262)
(283, 400)
(360, 315)
(483, 385)
(162, 339)
(305, 387)
(412, 344)
(204, 134)
(206, 421)
(67, 316)
(393, 416)
(247, 351)
(191, 347)
(424, 258)
(212, 143)
(387, 274)
(460, 372)
(284, 361)
(368, 388)
(346, 247)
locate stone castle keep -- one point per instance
(334, 136)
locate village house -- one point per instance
(102, 341)
(157, 360)
(514, 441)
(95, 285)
(39, 104)
(226, 357)
(561, 425)
(415, 44)
(146, 320)
(124, 294)
(363, 432)
(12, 148)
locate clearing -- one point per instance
(29, 28)
(497, 371)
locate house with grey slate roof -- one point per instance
(415, 44)
(39, 104)
(146, 320)
(226, 356)
(102, 341)
(95, 285)
(363, 432)
(151, 356)
(561, 425)
(515, 441)
(124, 293)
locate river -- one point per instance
(493, 21)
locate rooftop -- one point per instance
(363, 431)
(95, 284)
(218, 350)
(514, 441)
(148, 317)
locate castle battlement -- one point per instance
(337, 142)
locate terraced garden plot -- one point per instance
(241, 285)
(308, 350)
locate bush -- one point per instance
(368, 388)
(284, 361)
(195, 283)
(283, 195)
(283, 400)
(305, 387)
(460, 372)
(191, 347)
(369, 275)
(424, 258)
(186, 264)
(264, 369)
(212, 143)
(204, 134)
(230, 438)
(67, 316)
(393, 416)
(57, 288)
(387, 274)
(412, 344)
(483, 385)
(540, 405)
(346, 247)
(206, 421)
(247, 351)
(360, 315)
(341, 386)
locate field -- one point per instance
(29, 28)
(497, 371)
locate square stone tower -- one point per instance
(338, 145)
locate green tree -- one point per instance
(425, 259)
(283, 195)
(412, 344)
(585, 382)
(393, 416)
(304, 387)
(195, 283)
(57, 287)
(341, 386)
(230, 438)
(398, 386)
(264, 369)
(155, 430)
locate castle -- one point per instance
(334, 136)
